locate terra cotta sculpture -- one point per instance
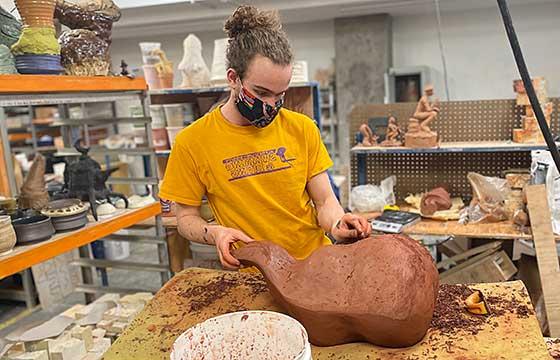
(380, 290)
(531, 132)
(419, 134)
(394, 133)
(368, 136)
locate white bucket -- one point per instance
(248, 335)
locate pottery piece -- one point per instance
(33, 194)
(7, 62)
(84, 180)
(84, 53)
(39, 64)
(147, 56)
(33, 227)
(435, 200)
(8, 205)
(380, 290)
(137, 201)
(193, 68)
(10, 28)
(7, 235)
(67, 214)
(419, 134)
(105, 209)
(93, 15)
(36, 13)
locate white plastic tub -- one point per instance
(174, 114)
(248, 335)
(158, 117)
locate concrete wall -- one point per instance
(479, 59)
(313, 42)
(363, 48)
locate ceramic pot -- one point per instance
(36, 13)
(33, 227)
(7, 235)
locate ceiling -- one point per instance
(159, 17)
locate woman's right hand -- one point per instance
(223, 238)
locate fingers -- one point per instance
(346, 234)
(227, 260)
(355, 223)
(240, 235)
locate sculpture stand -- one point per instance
(416, 138)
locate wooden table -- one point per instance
(25, 256)
(198, 294)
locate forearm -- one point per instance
(328, 213)
(194, 228)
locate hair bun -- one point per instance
(246, 18)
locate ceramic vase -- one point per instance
(7, 235)
(36, 13)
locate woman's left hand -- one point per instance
(351, 228)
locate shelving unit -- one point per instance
(329, 122)
(30, 90)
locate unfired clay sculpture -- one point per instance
(193, 68)
(394, 133)
(381, 290)
(531, 132)
(369, 138)
(436, 200)
(419, 134)
(33, 192)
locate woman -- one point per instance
(262, 167)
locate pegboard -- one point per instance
(458, 121)
(422, 172)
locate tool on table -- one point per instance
(394, 222)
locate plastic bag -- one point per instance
(369, 198)
(488, 203)
(552, 180)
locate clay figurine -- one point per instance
(124, 68)
(419, 134)
(33, 192)
(369, 137)
(193, 68)
(394, 134)
(381, 290)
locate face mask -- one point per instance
(259, 113)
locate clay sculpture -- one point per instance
(10, 28)
(33, 192)
(85, 48)
(380, 290)
(85, 180)
(368, 136)
(394, 134)
(436, 200)
(531, 132)
(419, 134)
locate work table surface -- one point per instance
(194, 295)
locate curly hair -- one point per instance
(254, 32)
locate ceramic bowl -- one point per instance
(67, 214)
(32, 227)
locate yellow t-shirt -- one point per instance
(255, 179)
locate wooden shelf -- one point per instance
(10, 84)
(453, 147)
(25, 256)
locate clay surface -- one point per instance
(436, 200)
(380, 290)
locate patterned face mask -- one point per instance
(259, 113)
